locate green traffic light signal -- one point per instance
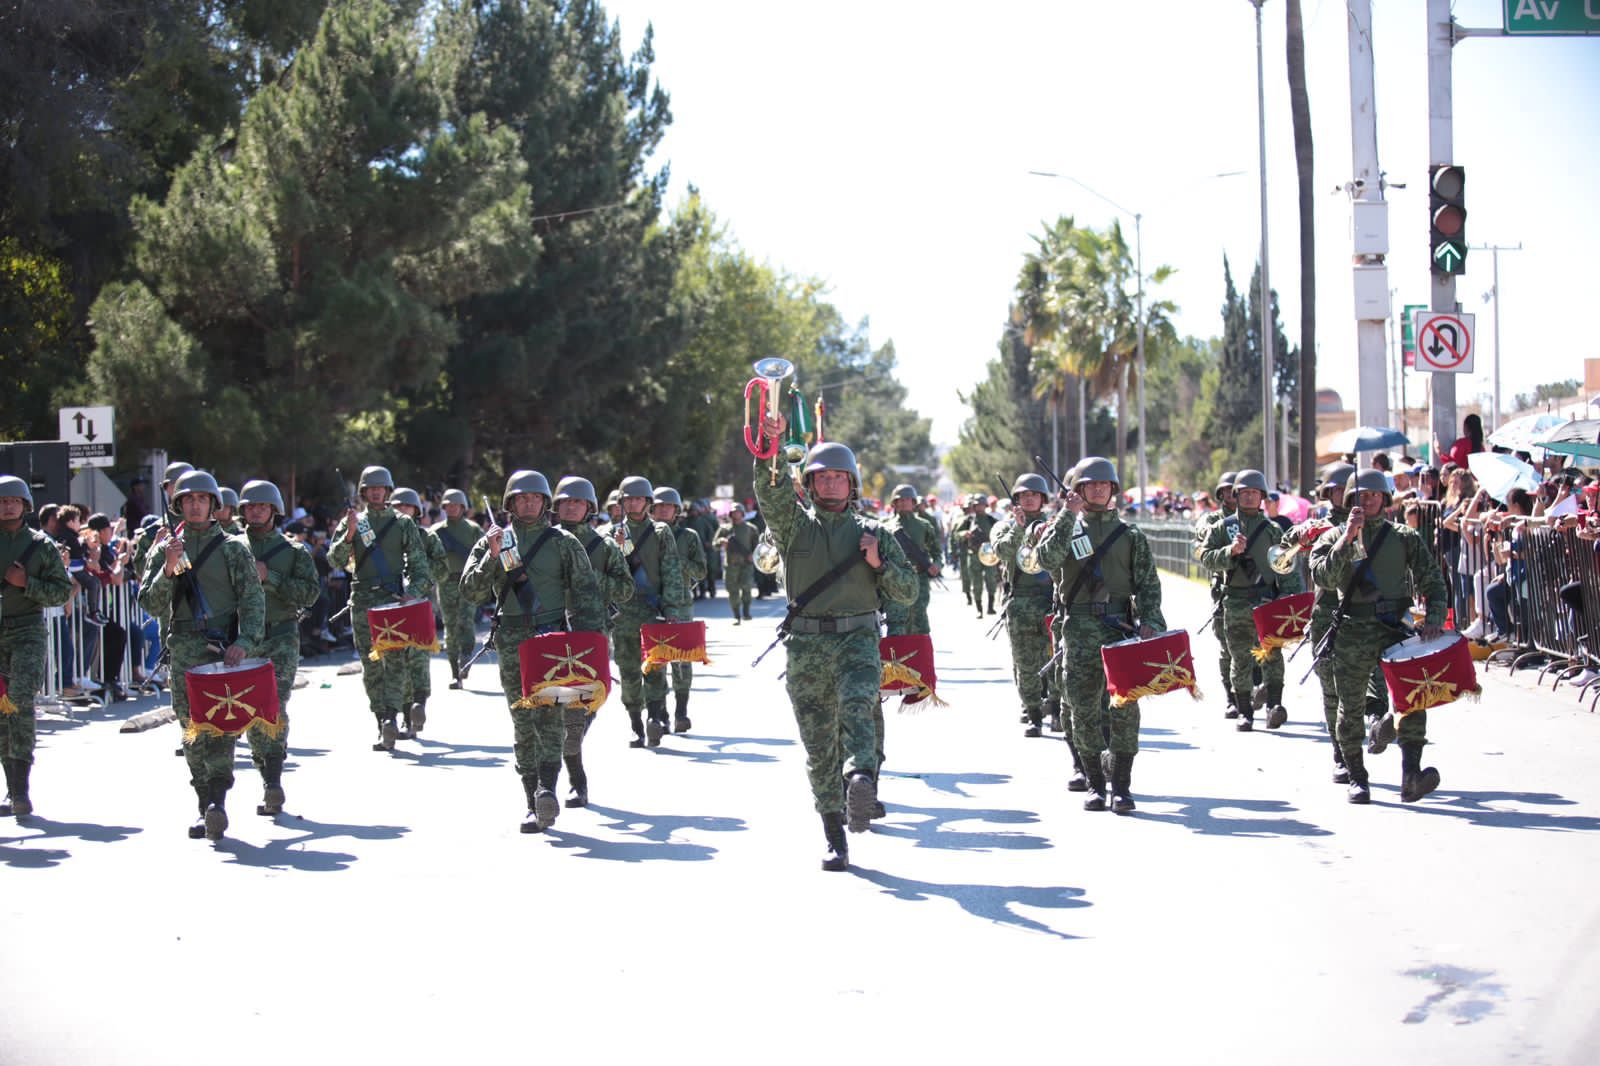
(1448, 218)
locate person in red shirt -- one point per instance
(1472, 427)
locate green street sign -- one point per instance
(1408, 334)
(1449, 257)
(1549, 18)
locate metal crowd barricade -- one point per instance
(1172, 544)
(75, 649)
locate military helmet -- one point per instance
(230, 498)
(577, 488)
(198, 481)
(408, 497)
(174, 471)
(1226, 480)
(1029, 483)
(456, 496)
(666, 494)
(1251, 479)
(635, 485)
(262, 492)
(1335, 477)
(1367, 479)
(1095, 468)
(903, 492)
(614, 498)
(10, 485)
(376, 475)
(530, 481)
(831, 455)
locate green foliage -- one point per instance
(35, 353)
(1546, 393)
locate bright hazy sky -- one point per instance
(885, 148)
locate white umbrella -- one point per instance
(1498, 473)
(1523, 434)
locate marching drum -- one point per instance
(1429, 673)
(1281, 621)
(407, 624)
(1141, 667)
(565, 668)
(661, 643)
(907, 668)
(226, 700)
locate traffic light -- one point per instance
(1447, 209)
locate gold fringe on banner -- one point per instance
(1269, 647)
(1173, 675)
(1429, 691)
(664, 653)
(6, 706)
(900, 673)
(591, 703)
(266, 728)
(383, 647)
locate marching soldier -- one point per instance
(920, 543)
(1236, 548)
(1029, 606)
(703, 522)
(575, 502)
(139, 558)
(227, 515)
(1375, 595)
(837, 566)
(458, 535)
(33, 578)
(668, 510)
(974, 530)
(1108, 590)
(205, 584)
(737, 540)
(288, 579)
(419, 684)
(658, 594)
(383, 552)
(1202, 533)
(956, 546)
(539, 577)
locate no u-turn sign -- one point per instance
(1444, 342)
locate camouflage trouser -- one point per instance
(1225, 661)
(638, 688)
(460, 633)
(1355, 656)
(981, 578)
(210, 757)
(1377, 690)
(284, 651)
(739, 579)
(1030, 648)
(1084, 690)
(1239, 631)
(537, 732)
(960, 563)
(384, 680)
(418, 685)
(833, 685)
(22, 653)
(907, 619)
(682, 677)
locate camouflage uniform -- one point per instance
(290, 587)
(227, 588)
(419, 682)
(659, 595)
(1026, 611)
(22, 642)
(1202, 534)
(904, 618)
(1374, 616)
(1114, 597)
(692, 561)
(738, 541)
(460, 630)
(956, 553)
(556, 591)
(1247, 582)
(394, 568)
(974, 530)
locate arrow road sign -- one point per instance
(90, 434)
(1444, 342)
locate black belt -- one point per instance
(14, 620)
(847, 623)
(1098, 610)
(1379, 608)
(543, 618)
(220, 624)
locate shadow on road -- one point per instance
(1475, 808)
(719, 746)
(46, 829)
(657, 831)
(929, 832)
(1199, 814)
(991, 902)
(1145, 732)
(452, 756)
(291, 853)
(950, 783)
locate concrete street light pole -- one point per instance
(1269, 462)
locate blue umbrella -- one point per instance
(1498, 473)
(1369, 439)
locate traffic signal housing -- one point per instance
(1447, 244)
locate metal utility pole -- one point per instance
(1441, 146)
(1494, 288)
(1268, 391)
(1373, 307)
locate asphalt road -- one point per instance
(395, 914)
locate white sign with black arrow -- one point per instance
(1444, 341)
(90, 436)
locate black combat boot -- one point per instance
(197, 831)
(271, 785)
(1121, 772)
(1381, 734)
(545, 805)
(216, 816)
(838, 857)
(388, 731)
(530, 789)
(1035, 717)
(578, 794)
(1415, 782)
(637, 722)
(1341, 775)
(1358, 792)
(656, 726)
(860, 801)
(1077, 782)
(1246, 713)
(991, 601)
(1233, 705)
(1096, 799)
(1052, 712)
(455, 671)
(680, 718)
(1277, 713)
(417, 717)
(17, 801)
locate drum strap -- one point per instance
(517, 580)
(452, 546)
(375, 553)
(22, 559)
(918, 557)
(818, 587)
(595, 549)
(641, 580)
(1365, 566)
(282, 545)
(189, 583)
(1092, 567)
